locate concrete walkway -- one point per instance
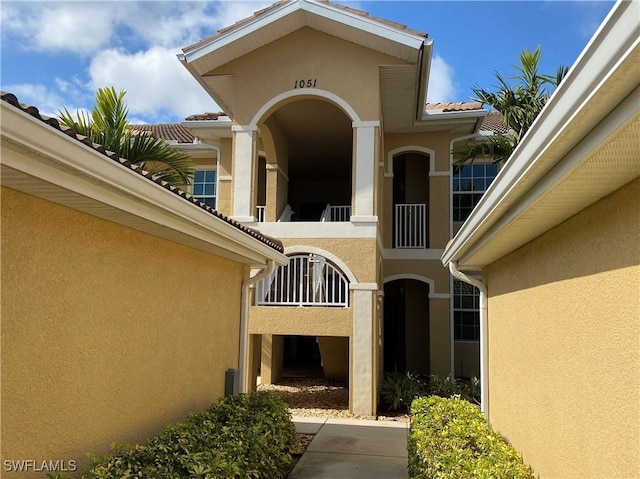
(352, 449)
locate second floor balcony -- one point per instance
(410, 226)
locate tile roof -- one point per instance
(54, 123)
(167, 131)
(205, 116)
(262, 12)
(451, 107)
(494, 122)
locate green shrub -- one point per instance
(243, 436)
(399, 389)
(449, 438)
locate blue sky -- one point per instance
(55, 54)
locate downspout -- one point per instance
(244, 323)
(484, 356)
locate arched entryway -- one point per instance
(406, 326)
(310, 142)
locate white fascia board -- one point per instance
(321, 9)
(208, 124)
(615, 40)
(317, 229)
(116, 185)
(436, 115)
(235, 34)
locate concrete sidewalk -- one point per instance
(352, 449)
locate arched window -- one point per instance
(308, 280)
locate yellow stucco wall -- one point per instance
(359, 254)
(564, 343)
(307, 54)
(108, 334)
(302, 321)
(467, 359)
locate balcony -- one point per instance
(308, 280)
(410, 226)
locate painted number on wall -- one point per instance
(311, 83)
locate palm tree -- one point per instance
(108, 126)
(519, 103)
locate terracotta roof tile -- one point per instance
(54, 123)
(205, 116)
(451, 107)
(260, 13)
(494, 122)
(167, 131)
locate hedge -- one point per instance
(243, 436)
(449, 438)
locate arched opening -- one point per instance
(406, 326)
(311, 144)
(411, 200)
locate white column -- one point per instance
(365, 168)
(362, 357)
(244, 168)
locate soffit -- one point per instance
(605, 169)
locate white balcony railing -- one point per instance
(308, 280)
(336, 213)
(410, 226)
(260, 214)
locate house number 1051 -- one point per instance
(311, 83)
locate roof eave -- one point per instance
(568, 118)
(197, 51)
(89, 178)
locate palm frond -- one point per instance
(164, 162)
(108, 125)
(496, 149)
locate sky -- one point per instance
(55, 54)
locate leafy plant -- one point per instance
(243, 436)
(399, 389)
(443, 386)
(108, 126)
(449, 438)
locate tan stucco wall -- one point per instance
(224, 201)
(431, 269)
(108, 334)
(335, 357)
(467, 359)
(307, 54)
(301, 321)
(564, 343)
(358, 254)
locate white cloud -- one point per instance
(156, 83)
(81, 27)
(441, 85)
(47, 101)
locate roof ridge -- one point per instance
(33, 111)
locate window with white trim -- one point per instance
(466, 311)
(469, 184)
(204, 186)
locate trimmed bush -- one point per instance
(449, 438)
(243, 436)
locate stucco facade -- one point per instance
(121, 298)
(556, 241)
(564, 316)
(332, 155)
(93, 340)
